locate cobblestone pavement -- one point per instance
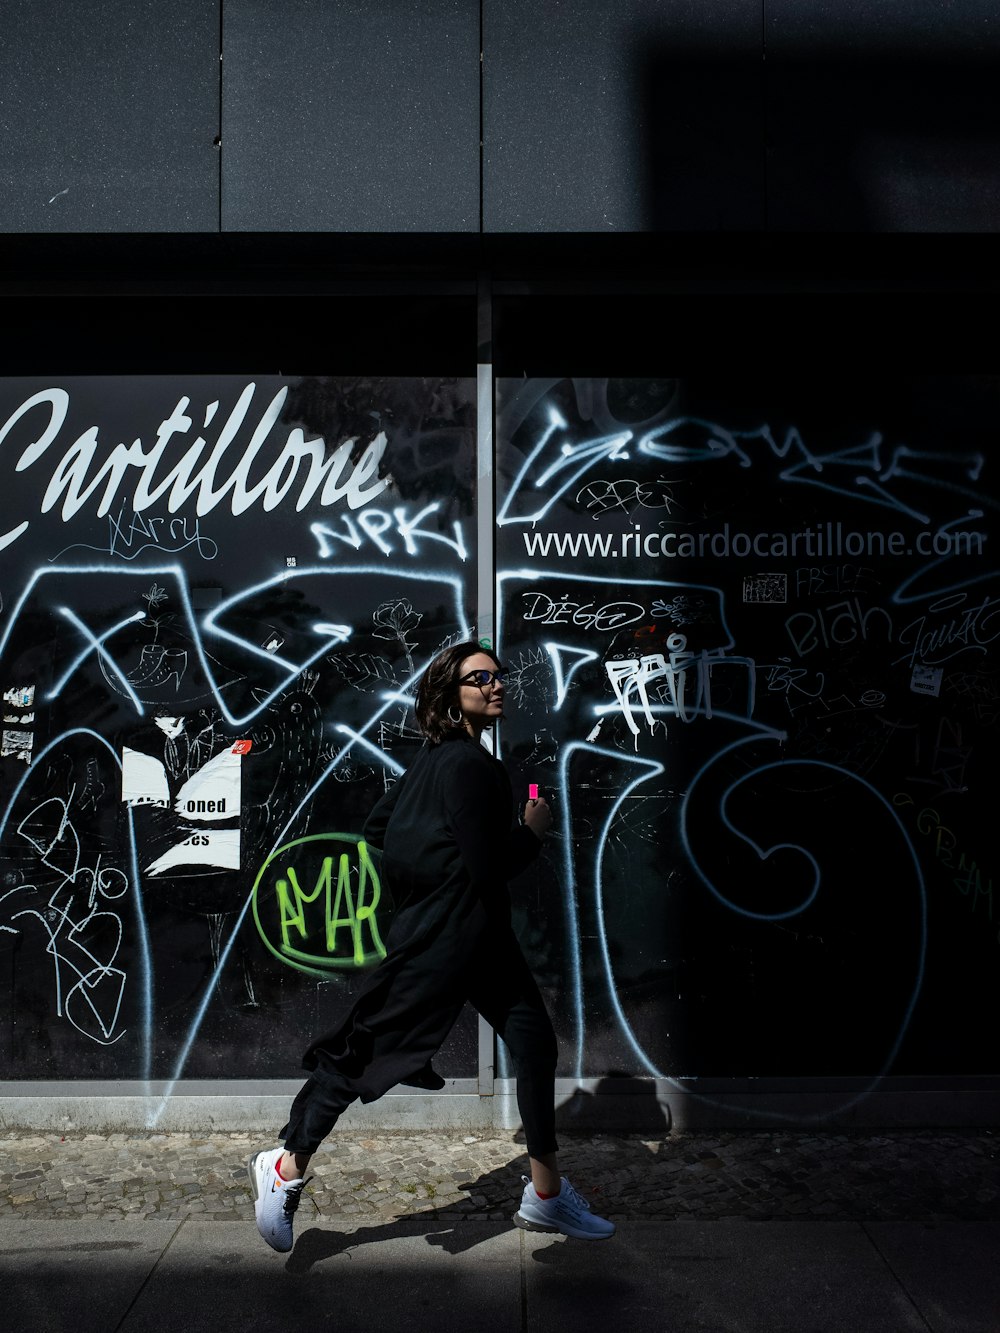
(926, 1176)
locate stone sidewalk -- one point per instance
(925, 1176)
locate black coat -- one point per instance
(450, 843)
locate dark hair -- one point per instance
(437, 690)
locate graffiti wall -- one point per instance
(752, 628)
(753, 632)
(216, 595)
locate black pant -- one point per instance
(503, 990)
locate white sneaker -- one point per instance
(275, 1200)
(567, 1212)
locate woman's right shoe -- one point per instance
(566, 1212)
(275, 1200)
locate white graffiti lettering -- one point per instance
(625, 493)
(613, 615)
(840, 623)
(74, 480)
(84, 935)
(937, 637)
(687, 682)
(374, 524)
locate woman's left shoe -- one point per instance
(566, 1212)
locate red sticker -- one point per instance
(242, 747)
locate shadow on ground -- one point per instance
(495, 1194)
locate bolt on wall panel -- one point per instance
(350, 117)
(883, 118)
(639, 116)
(108, 116)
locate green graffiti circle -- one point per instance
(297, 908)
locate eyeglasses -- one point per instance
(482, 678)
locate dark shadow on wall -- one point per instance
(701, 156)
(839, 143)
(618, 1103)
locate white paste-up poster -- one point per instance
(207, 847)
(20, 696)
(15, 744)
(209, 797)
(214, 791)
(15, 741)
(144, 779)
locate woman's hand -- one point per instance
(538, 817)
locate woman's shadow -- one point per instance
(604, 1132)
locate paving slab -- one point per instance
(80, 1276)
(392, 1276)
(951, 1270)
(717, 1277)
(723, 1276)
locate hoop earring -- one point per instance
(455, 721)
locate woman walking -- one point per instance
(449, 845)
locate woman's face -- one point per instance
(481, 705)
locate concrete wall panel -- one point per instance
(108, 116)
(639, 116)
(349, 117)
